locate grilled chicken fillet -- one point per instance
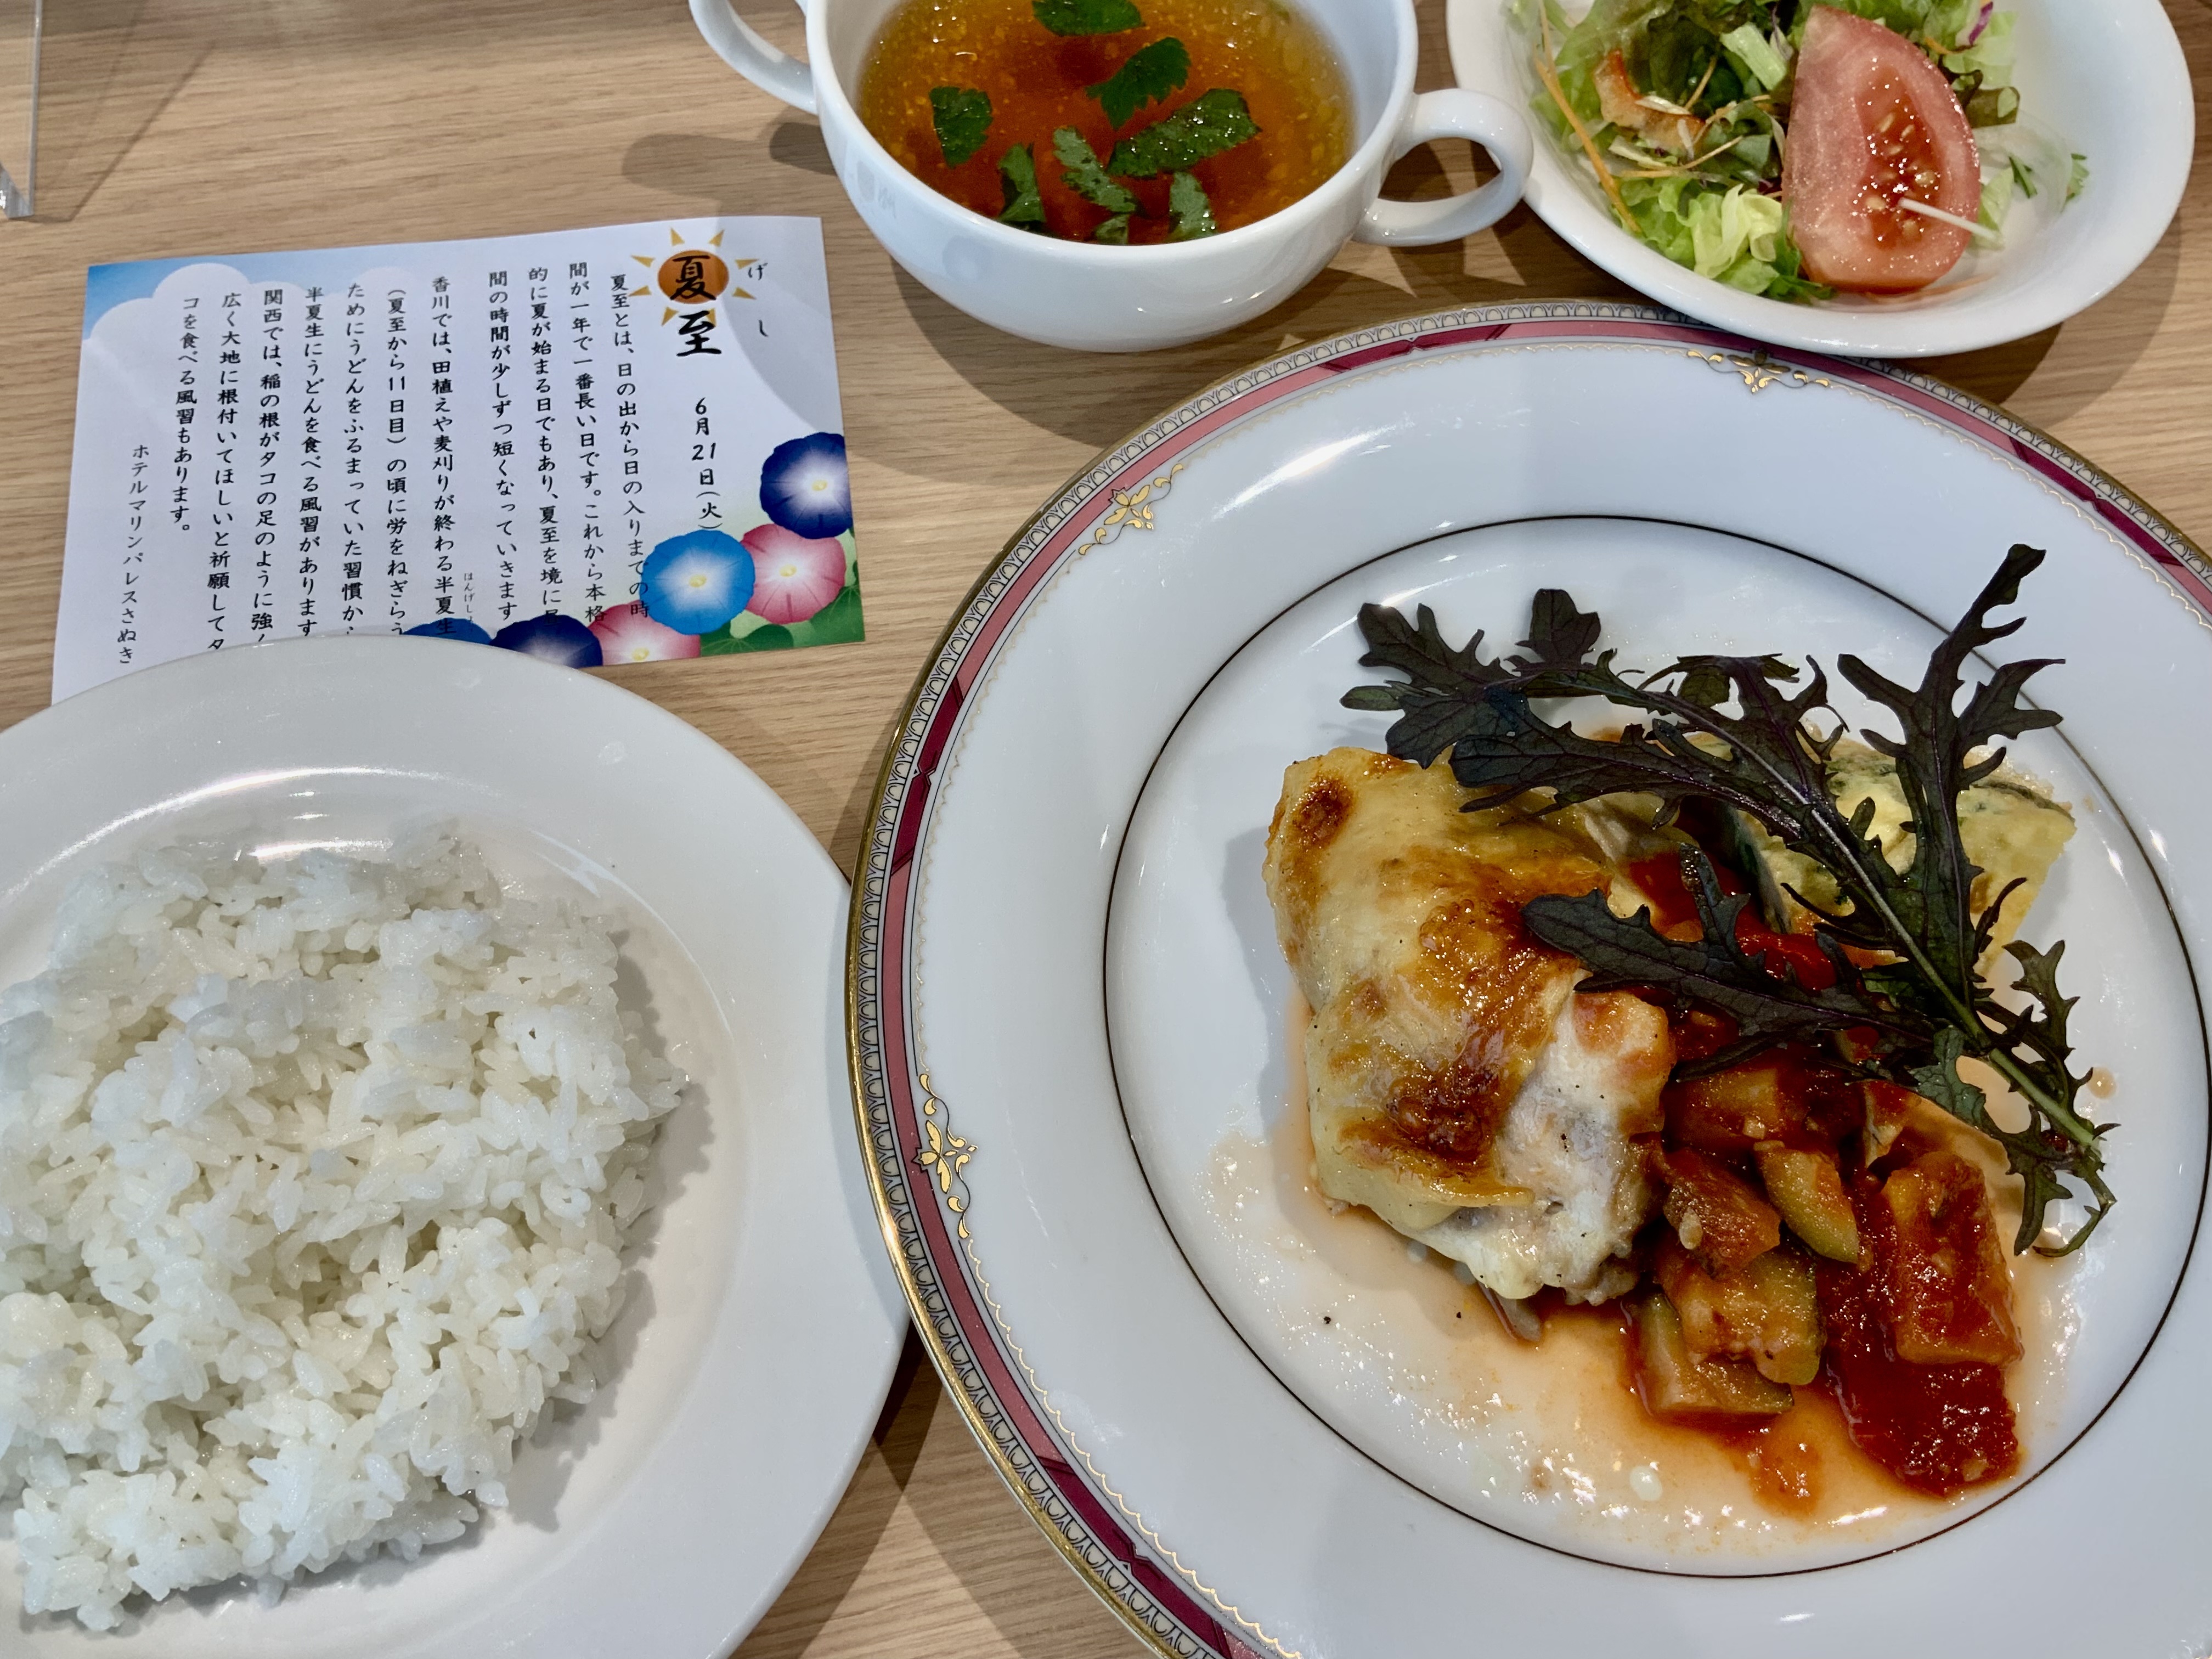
(1457, 1085)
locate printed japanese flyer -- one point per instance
(615, 445)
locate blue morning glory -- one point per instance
(803, 487)
(552, 638)
(695, 582)
(452, 627)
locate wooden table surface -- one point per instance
(214, 126)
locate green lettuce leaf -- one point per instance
(1991, 56)
(1993, 106)
(1727, 225)
(1732, 234)
(1910, 18)
(1996, 201)
(1608, 25)
(1757, 53)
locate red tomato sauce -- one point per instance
(1935, 1428)
(1659, 877)
(1785, 955)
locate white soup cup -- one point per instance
(1094, 298)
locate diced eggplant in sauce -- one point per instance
(1806, 1187)
(1677, 1386)
(1717, 1215)
(1950, 1292)
(1766, 1311)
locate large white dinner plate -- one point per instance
(750, 1358)
(1072, 1036)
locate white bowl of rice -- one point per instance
(424, 1166)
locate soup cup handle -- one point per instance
(737, 43)
(1452, 113)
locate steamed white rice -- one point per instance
(315, 1179)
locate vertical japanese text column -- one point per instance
(442, 447)
(312, 381)
(268, 468)
(583, 345)
(230, 355)
(543, 420)
(396, 321)
(506, 504)
(627, 428)
(354, 552)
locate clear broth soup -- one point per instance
(1276, 58)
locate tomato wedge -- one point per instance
(1873, 124)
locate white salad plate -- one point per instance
(2106, 81)
(1257, 1427)
(749, 1363)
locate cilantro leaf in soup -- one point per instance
(1191, 209)
(1210, 123)
(1150, 73)
(1073, 17)
(1086, 178)
(962, 116)
(1115, 230)
(1024, 208)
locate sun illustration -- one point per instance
(689, 276)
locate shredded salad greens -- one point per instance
(1689, 150)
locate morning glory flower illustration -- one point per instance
(452, 627)
(695, 582)
(794, 576)
(626, 634)
(803, 487)
(552, 638)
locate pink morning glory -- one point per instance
(794, 576)
(626, 634)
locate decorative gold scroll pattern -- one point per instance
(947, 1155)
(1133, 510)
(1758, 370)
